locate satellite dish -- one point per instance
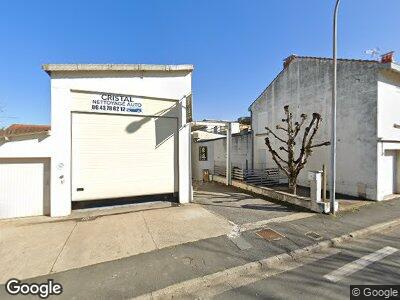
(373, 53)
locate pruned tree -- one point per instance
(292, 166)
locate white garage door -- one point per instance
(117, 156)
(24, 187)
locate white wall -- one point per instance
(197, 165)
(171, 85)
(205, 135)
(306, 87)
(26, 146)
(389, 136)
(241, 152)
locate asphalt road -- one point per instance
(308, 281)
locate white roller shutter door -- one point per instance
(117, 156)
(24, 187)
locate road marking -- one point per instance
(288, 218)
(359, 264)
(214, 284)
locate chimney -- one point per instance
(288, 60)
(387, 57)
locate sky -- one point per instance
(236, 46)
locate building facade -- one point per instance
(208, 154)
(215, 126)
(368, 108)
(117, 131)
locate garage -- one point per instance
(116, 156)
(120, 133)
(25, 187)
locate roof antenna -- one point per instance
(373, 53)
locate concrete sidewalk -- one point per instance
(39, 246)
(127, 254)
(161, 268)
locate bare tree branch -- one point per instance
(275, 156)
(292, 166)
(282, 128)
(277, 137)
(284, 149)
(320, 144)
(273, 152)
(299, 125)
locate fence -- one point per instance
(262, 177)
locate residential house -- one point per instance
(368, 114)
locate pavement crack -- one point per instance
(148, 230)
(62, 249)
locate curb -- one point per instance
(185, 287)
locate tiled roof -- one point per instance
(23, 129)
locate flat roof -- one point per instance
(113, 67)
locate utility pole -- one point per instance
(228, 153)
(333, 128)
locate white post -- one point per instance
(332, 190)
(228, 154)
(315, 185)
(315, 178)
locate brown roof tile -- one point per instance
(22, 129)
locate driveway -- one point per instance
(32, 247)
(238, 207)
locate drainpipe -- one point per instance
(252, 139)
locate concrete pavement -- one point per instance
(128, 254)
(33, 247)
(159, 269)
(237, 206)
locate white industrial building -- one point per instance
(368, 114)
(211, 129)
(117, 131)
(217, 126)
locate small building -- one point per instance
(117, 132)
(215, 126)
(25, 152)
(211, 154)
(368, 109)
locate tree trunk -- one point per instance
(292, 185)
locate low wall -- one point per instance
(274, 194)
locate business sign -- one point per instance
(117, 104)
(203, 155)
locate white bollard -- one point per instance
(315, 178)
